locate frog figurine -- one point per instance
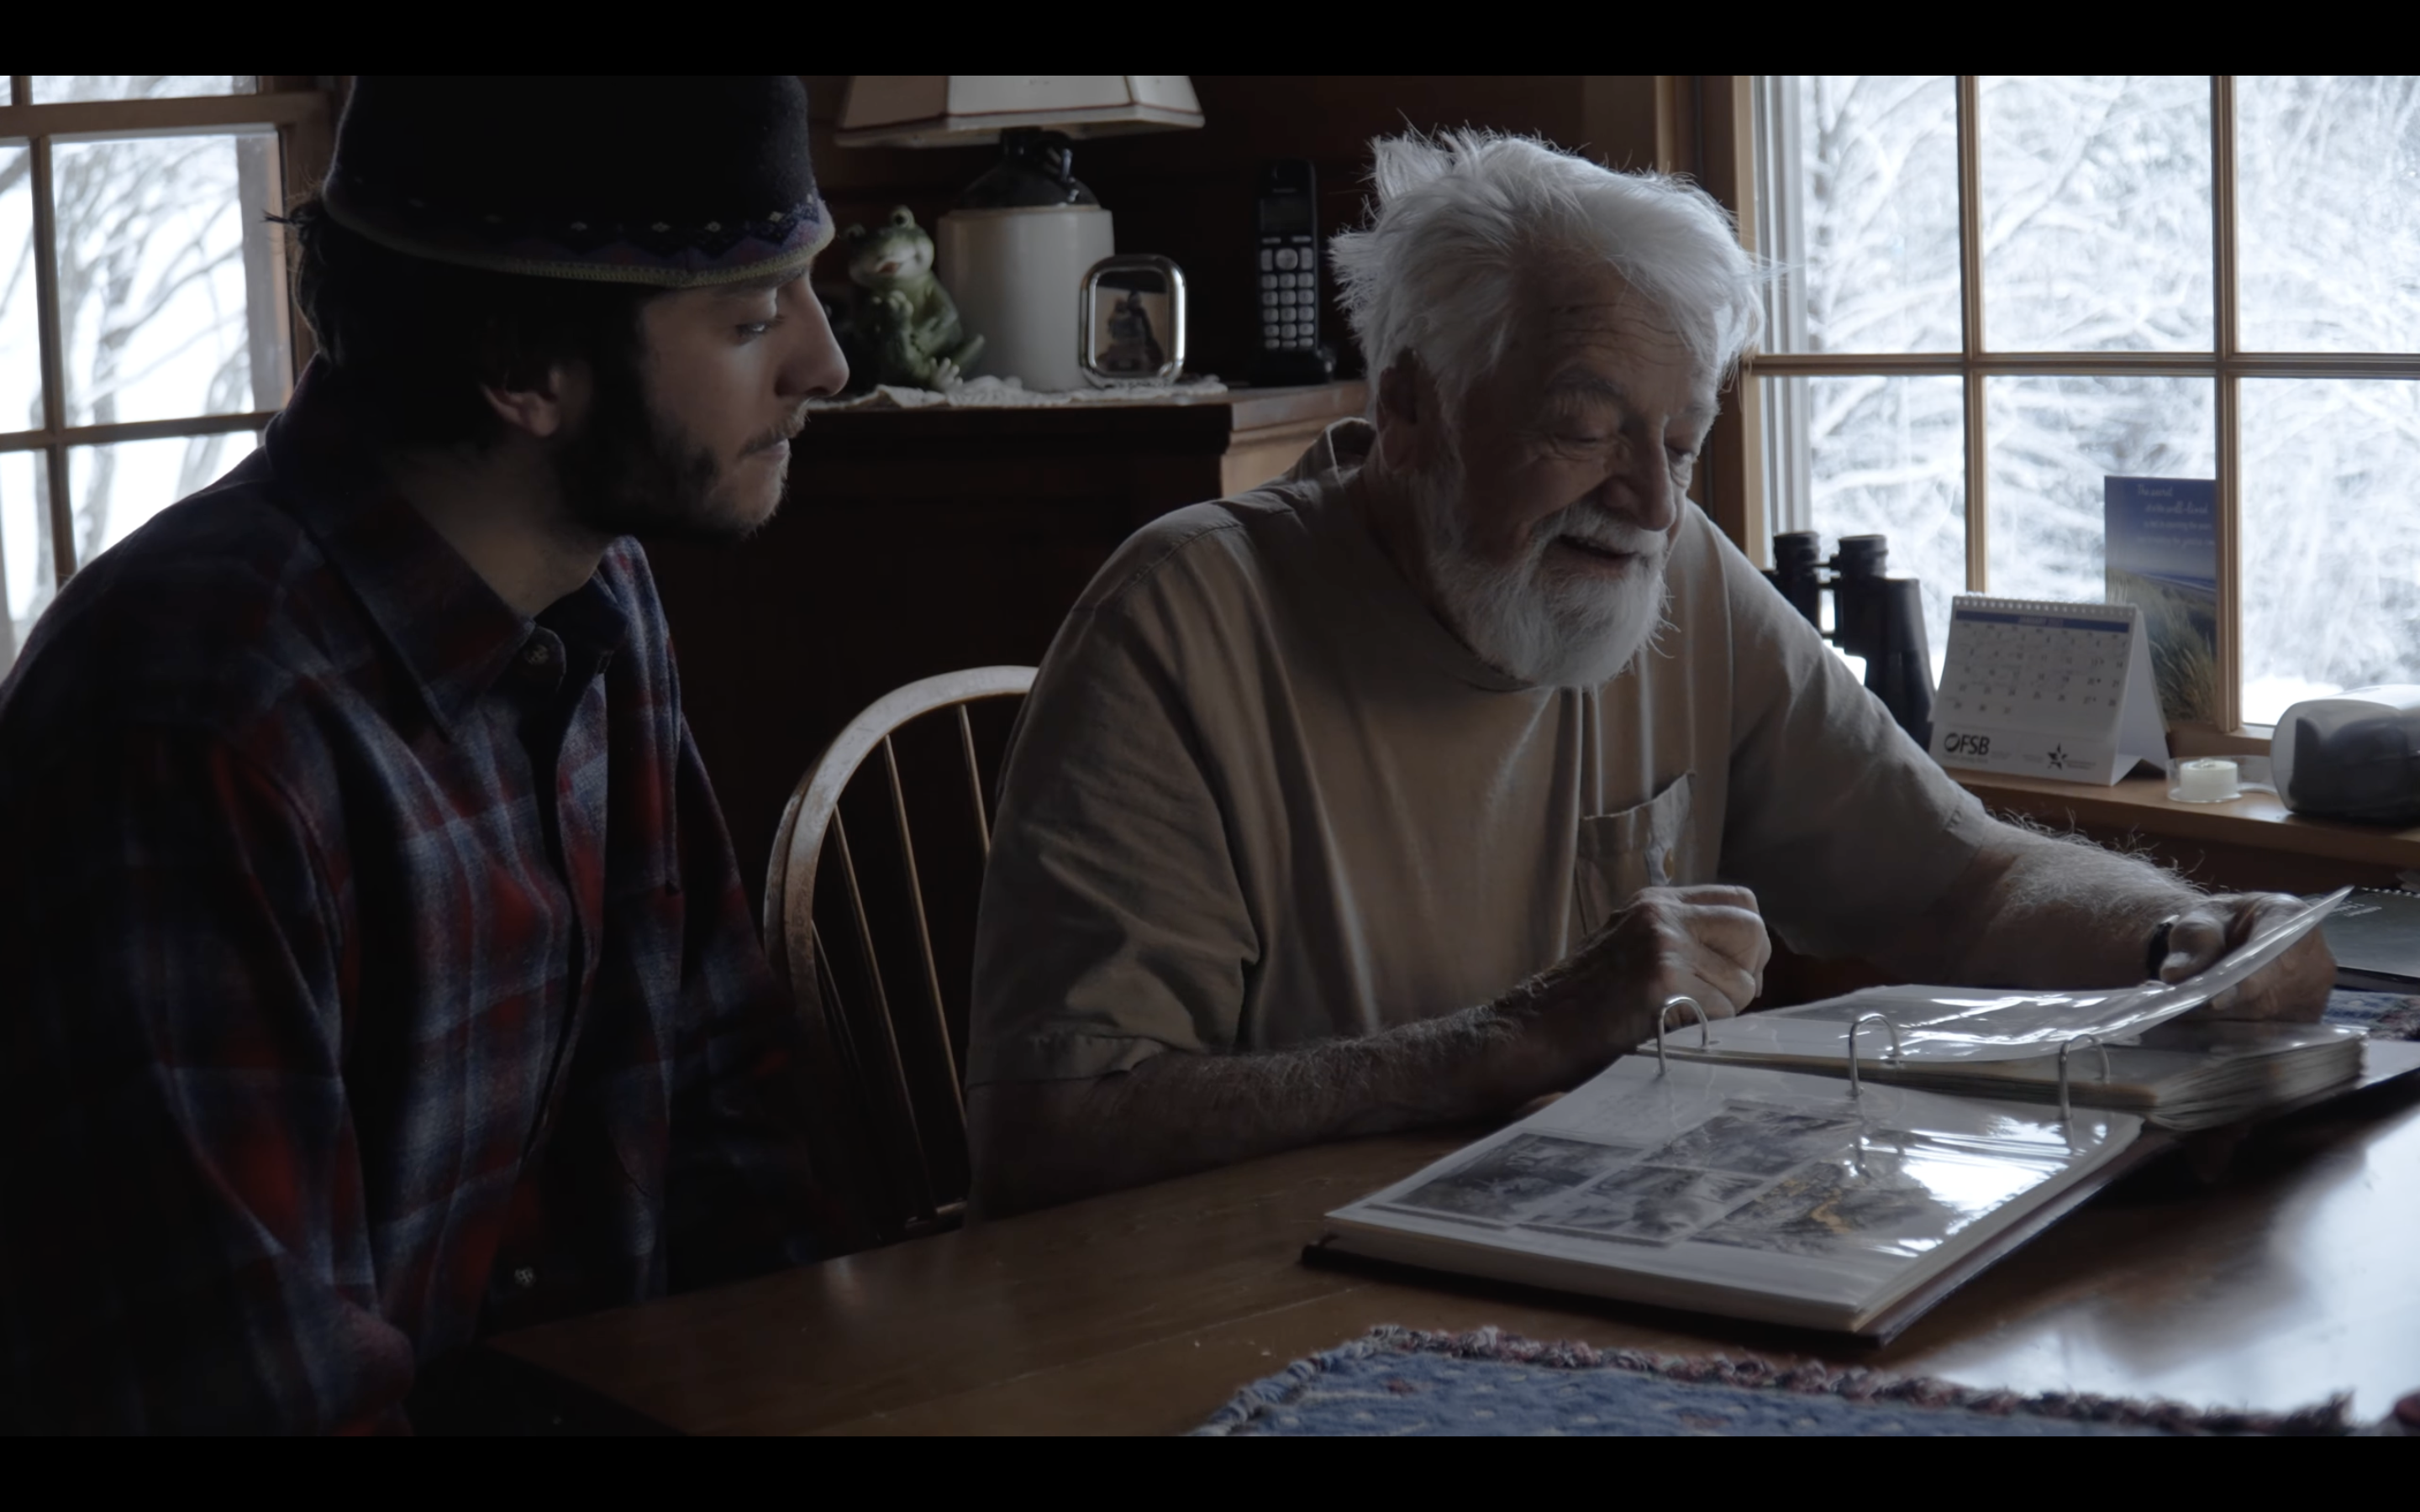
(899, 326)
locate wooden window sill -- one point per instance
(2141, 805)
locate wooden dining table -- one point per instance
(2267, 1275)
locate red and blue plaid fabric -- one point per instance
(374, 967)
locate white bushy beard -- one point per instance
(1525, 618)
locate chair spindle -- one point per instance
(901, 1197)
(923, 930)
(889, 1038)
(974, 782)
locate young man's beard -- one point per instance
(629, 470)
(1516, 616)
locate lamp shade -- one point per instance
(934, 110)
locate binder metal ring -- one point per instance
(2092, 1040)
(1665, 1013)
(1888, 1027)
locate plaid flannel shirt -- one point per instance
(374, 967)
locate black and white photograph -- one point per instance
(1516, 1176)
(1653, 1204)
(1894, 1193)
(1758, 1139)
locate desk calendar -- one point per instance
(2042, 689)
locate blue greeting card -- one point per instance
(2162, 556)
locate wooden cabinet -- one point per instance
(915, 541)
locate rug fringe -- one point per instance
(1851, 1383)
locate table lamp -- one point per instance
(1013, 250)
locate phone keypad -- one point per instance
(1289, 294)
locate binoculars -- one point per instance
(1875, 615)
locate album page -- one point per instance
(1756, 1194)
(1957, 1023)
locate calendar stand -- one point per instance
(2044, 690)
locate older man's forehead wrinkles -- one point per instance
(1621, 312)
(1630, 316)
(1581, 383)
(1614, 345)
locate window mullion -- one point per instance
(1780, 239)
(2228, 406)
(1970, 298)
(54, 355)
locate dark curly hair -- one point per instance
(413, 341)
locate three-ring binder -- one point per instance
(1704, 1027)
(2065, 1115)
(1895, 1055)
(1888, 1027)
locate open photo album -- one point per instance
(1744, 1172)
(1768, 1195)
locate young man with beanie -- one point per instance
(377, 971)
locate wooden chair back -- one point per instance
(874, 942)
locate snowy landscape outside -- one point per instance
(157, 312)
(2096, 222)
(2096, 213)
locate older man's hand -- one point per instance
(1702, 942)
(2294, 986)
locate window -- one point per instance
(2001, 289)
(145, 331)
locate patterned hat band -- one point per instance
(670, 256)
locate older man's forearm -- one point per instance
(1036, 1144)
(2035, 911)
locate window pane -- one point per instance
(25, 575)
(1877, 457)
(1860, 208)
(21, 356)
(171, 294)
(2051, 440)
(2096, 213)
(2328, 212)
(2332, 531)
(113, 489)
(51, 88)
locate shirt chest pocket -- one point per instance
(1620, 853)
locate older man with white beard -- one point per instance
(1406, 788)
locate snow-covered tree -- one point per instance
(2095, 208)
(153, 306)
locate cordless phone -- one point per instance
(1293, 294)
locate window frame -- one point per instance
(297, 106)
(1731, 169)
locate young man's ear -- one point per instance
(539, 402)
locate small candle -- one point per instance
(2209, 780)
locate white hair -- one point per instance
(1462, 217)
